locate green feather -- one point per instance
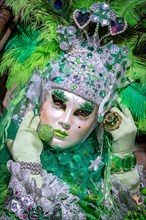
(4, 181)
(77, 4)
(134, 97)
(36, 12)
(25, 51)
(128, 10)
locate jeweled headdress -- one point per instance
(88, 68)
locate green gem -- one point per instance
(58, 79)
(100, 74)
(83, 10)
(91, 66)
(95, 77)
(115, 86)
(84, 44)
(78, 60)
(116, 164)
(120, 20)
(109, 67)
(99, 50)
(102, 93)
(91, 48)
(89, 55)
(78, 32)
(118, 75)
(83, 66)
(36, 111)
(66, 70)
(106, 104)
(67, 75)
(127, 163)
(123, 80)
(74, 87)
(100, 119)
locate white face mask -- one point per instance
(70, 116)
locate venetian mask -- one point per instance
(71, 117)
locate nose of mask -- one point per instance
(45, 132)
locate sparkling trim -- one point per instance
(53, 199)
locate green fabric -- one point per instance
(4, 152)
(71, 165)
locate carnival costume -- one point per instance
(97, 177)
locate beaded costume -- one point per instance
(68, 46)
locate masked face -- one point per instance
(70, 116)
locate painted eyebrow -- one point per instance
(60, 94)
(87, 106)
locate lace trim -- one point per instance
(28, 201)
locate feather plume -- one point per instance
(77, 4)
(128, 10)
(134, 97)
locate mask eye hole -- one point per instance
(82, 113)
(58, 103)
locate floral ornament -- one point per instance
(112, 121)
(66, 35)
(102, 14)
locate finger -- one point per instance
(115, 109)
(34, 123)
(9, 144)
(26, 120)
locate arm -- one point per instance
(41, 195)
(123, 159)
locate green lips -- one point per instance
(60, 134)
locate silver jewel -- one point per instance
(71, 40)
(104, 22)
(94, 18)
(95, 164)
(95, 7)
(105, 6)
(125, 50)
(61, 29)
(71, 30)
(114, 49)
(64, 45)
(112, 15)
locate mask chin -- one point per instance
(79, 142)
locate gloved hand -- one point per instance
(124, 136)
(123, 144)
(27, 145)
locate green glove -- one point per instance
(124, 136)
(27, 145)
(123, 144)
